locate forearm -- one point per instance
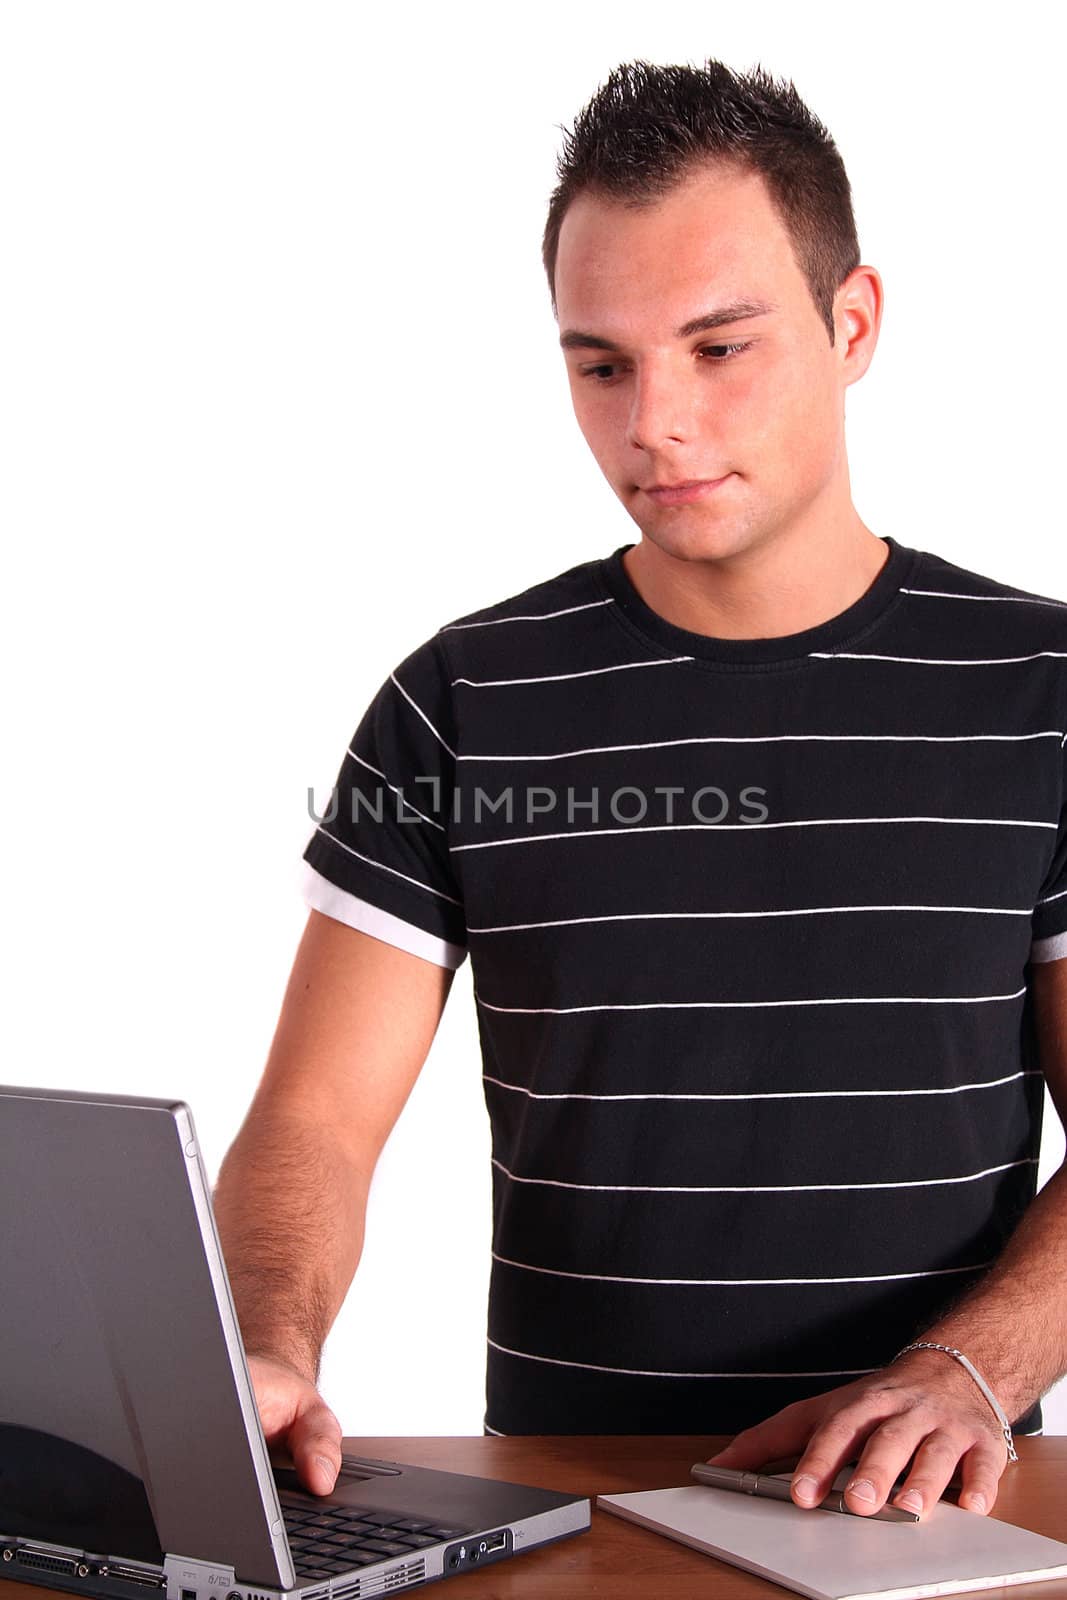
(290, 1207)
(1013, 1324)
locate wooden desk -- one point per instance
(617, 1561)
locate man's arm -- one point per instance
(356, 1024)
(1012, 1326)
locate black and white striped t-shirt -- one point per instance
(749, 923)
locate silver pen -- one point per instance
(779, 1489)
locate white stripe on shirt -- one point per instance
(746, 1188)
(638, 1372)
(775, 1094)
(708, 1283)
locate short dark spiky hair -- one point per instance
(648, 127)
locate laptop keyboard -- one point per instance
(326, 1540)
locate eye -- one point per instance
(602, 373)
(714, 354)
(723, 352)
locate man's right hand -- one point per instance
(296, 1417)
(357, 1022)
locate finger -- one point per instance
(980, 1473)
(315, 1444)
(833, 1445)
(887, 1467)
(930, 1473)
(910, 1441)
(277, 1389)
(781, 1437)
(907, 1463)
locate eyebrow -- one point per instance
(737, 311)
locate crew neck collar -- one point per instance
(785, 650)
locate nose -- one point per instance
(661, 411)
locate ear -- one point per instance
(857, 319)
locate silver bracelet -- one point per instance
(979, 1380)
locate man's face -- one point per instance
(756, 401)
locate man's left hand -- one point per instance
(911, 1408)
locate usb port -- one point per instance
(188, 1594)
(496, 1541)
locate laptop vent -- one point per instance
(400, 1577)
(378, 1583)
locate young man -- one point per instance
(753, 833)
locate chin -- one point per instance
(695, 540)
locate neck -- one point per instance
(784, 584)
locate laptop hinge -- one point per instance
(189, 1579)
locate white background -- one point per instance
(281, 395)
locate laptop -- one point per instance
(132, 1459)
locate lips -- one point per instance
(682, 493)
(686, 483)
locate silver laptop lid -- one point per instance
(119, 1342)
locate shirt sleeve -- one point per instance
(378, 856)
(1049, 922)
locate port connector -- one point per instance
(496, 1541)
(115, 1569)
(44, 1562)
